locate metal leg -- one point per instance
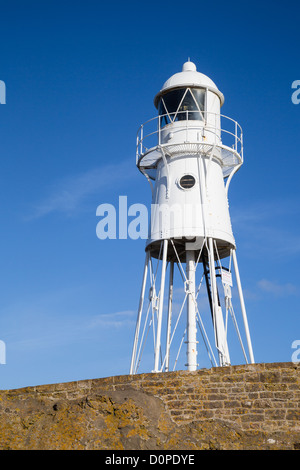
(160, 308)
(138, 322)
(169, 316)
(208, 286)
(221, 340)
(243, 308)
(191, 312)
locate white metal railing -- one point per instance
(221, 131)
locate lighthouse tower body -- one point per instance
(188, 212)
(189, 153)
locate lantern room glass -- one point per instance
(182, 104)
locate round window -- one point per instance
(187, 181)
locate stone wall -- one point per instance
(238, 407)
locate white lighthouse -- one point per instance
(189, 153)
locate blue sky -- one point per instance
(80, 78)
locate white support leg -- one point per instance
(138, 321)
(221, 340)
(243, 308)
(169, 316)
(191, 312)
(160, 308)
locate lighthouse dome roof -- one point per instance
(189, 77)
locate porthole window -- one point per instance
(187, 181)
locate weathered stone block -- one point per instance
(256, 406)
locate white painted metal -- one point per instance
(138, 323)
(189, 76)
(198, 136)
(221, 340)
(160, 307)
(178, 212)
(191, 312)
(190, 225)
(168, 338)
(239, 285)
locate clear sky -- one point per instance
(80, 78)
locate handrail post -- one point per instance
(235, 136)
(141, 141)
(137, 148)
(242, 146)
(159, 129)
